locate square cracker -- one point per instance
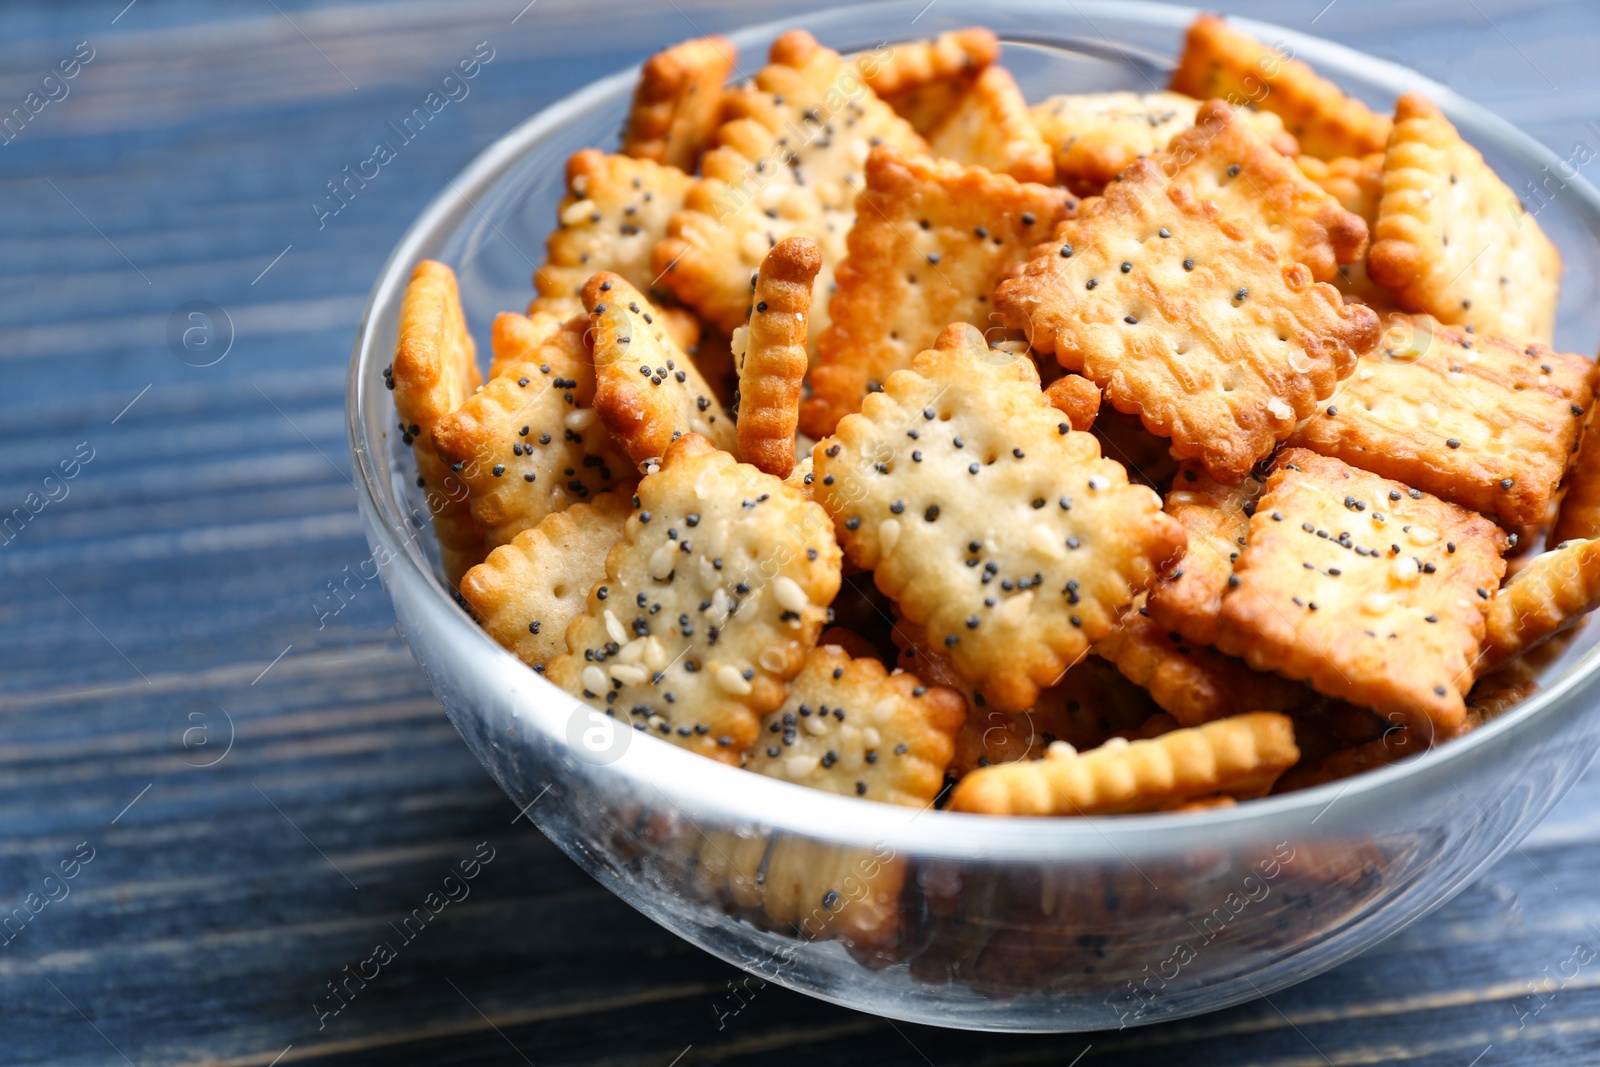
(930, 241)
(648, 391)
(990, 127)
(1239, 756)
(530, 442)
(1217, 517)
(1094, 136)
(435, 369)
(678, 102)
(1453, 240)
(1183, 316)
(988, 519)
(1469, 417)
(1221, 158)
(527, 593)
(771, 355)
(1371, 590)
(1219, 60)
(789, 161)
(709, 604)
(615, 210)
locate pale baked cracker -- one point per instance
(1355, 181)
(1369, 589)
(1240, 756)
(677, 104)
(648, 391)
(527, 593)
(1193, 683)
(1553, 592)
(990, 127)
(1219, 60)
(1077, 398)
(988, 519)
(1472, 418)
(435, 369)
(530, 442)
(931, 238)
(1217, 517)
(850, 727)
(1094, 136)
(772, 361)
(1221, 158)
(615, 210)
(1453, 240)
(789, 162)
(1204, 332)
(1579, 513)
(710, 602)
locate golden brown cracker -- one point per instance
(1217, 517)
(435, 369)
(1075, 397)
(677, 104)
(788, 162)
(1181, 315)
(515, 338)
(990, 127)
(1453, 240)
(773, 362)
(1472, 418)
(530, 442)
(709, 604)
(1355, 181)
(1193, 683)
(908, 65)
(528, 592)
(1240, 756)
(1579, 512)
(931, 238)
(1224, 160)
(648, 391)
(988, 519)
(1556, 590)
(1219, 60)
(615, 210)
(851, 728)
(1371, 590)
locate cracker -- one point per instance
(1224, 160)
(1240, 756)
(1472, 418)
(1075, 397)
(1579, 514)
(990, 127)
(930, 240)
(709, 604)
(615, 210)
(527, 593)
(988, 519)
(1094, 136)
(1219, 60)
(1192, 683)
(1355, 181)
(678, 102)
(1217, 517)
(773, 362)
(950, 57)
(1204, 333)
(1499, 691)
(1553, 592)
(851, 728)
(788, 162)
(1453, 240)
(530, 442)
(1393, 746)
(1367, 588)
(517, 338)
(647, 390)
(435, 369)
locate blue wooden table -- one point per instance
(222, 778)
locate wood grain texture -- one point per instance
(209, 531)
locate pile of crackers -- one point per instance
(875, 430)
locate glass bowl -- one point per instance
(1006, 923)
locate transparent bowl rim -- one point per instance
(706, 785)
